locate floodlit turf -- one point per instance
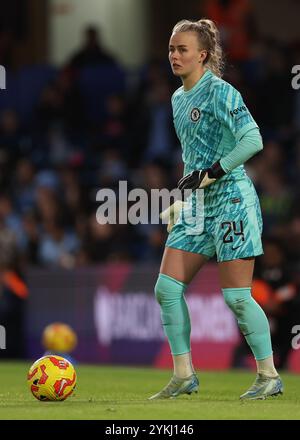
(118, 393)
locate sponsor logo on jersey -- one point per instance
(195, 114)
(238, 110)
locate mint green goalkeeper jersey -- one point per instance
(209, 120)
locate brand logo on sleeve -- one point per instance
(195, 114)
(238, 110)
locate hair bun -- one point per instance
(208, 23)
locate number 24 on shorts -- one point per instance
(232, 230)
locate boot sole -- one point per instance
(263, 397)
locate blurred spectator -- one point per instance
(13, 296)
(32, 231)
(114, 127)
(61, 105)
(276, 200)
(112, 169)
(11, 136)
(92, 52)
(160, 140)
(150, 122)
(290, 234)
(8, 244)
(24, 186)
(10, 219)
(74, 199)
(152, 176)
(13, 291)
(107, 242)
(276, 82)
(237, 26)
(57, 246)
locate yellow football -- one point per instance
(59, 337)
(51, 378)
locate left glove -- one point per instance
(172, 214)
(201, 178)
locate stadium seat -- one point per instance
(31, 81)
(96, 84)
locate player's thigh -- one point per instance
(181, 265)
(237, 233)
(237, 237)
(236, 273)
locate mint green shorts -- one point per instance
(231, 235)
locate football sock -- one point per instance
(174, 313)
(266, 367)
(183, 365)
(251, 319)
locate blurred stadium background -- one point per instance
(86, 104)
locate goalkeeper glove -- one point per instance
(172, 214)
(201, 178)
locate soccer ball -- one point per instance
(51, 378)
(59, 338)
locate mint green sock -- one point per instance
(174, 313)
(251, 319)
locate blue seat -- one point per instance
(96, 84)
(31, 81)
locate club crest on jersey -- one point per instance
(195, 114)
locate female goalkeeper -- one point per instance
(218, 135)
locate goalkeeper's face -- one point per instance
(185, 56)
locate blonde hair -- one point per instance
(209, 40)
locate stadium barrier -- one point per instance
(113, 310)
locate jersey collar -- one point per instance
(208, 74)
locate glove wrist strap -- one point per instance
(216, 171)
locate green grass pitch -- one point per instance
(118, 393)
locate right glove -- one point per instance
(172, 214)
(201, 178)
